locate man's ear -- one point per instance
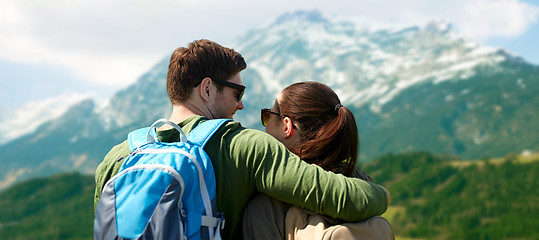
(288, 127)
(205, 89)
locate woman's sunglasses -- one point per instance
(265, 116)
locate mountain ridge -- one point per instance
(383, 72)
(475, 102)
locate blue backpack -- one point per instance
(163, 190)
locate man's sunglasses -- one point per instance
(241, 88)
(265, 116)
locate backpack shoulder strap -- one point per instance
(204, 131)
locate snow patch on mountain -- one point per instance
(29, 117)
(364, 60)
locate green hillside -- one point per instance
(442, 198)
(488, 115)
(433, 197)
(58, 207)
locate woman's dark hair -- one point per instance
(329, 135)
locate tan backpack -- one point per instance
(303, 224)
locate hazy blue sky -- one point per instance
(94, 48)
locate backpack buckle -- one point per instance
(221, 222)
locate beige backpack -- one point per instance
(303, 224)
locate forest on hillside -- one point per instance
(433, 197)
(442, 198)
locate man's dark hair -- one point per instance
(202, 58)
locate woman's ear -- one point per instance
(288, 127)
(205, 89)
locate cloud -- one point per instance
(108, 43)
(111, 43)
(106, 68)
(489, 18)
(92, 41)
(474, 19)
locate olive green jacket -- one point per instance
(248, 161)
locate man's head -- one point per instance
(201, 59)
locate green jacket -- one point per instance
(248, 161)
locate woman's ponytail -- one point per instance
(328, 129)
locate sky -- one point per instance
(70, 50)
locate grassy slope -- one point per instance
(437, 198)
(433, 198)
(58, 207)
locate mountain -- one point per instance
(79, 139)
(27, 118)
(411, 88)
(433, 197)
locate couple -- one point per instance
(203, 82)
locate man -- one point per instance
(203, 82)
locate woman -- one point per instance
(309, 119)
